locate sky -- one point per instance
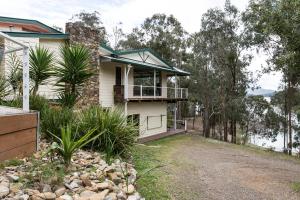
(131, 13)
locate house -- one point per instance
(135, 80)
(33, 33)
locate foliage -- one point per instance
(116, 135)
(74, 70)
(15, 76)
(4, 88)
(54, 119)
(41, 63)
(67, 144)
(164, 34)
(67, 99)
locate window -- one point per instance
(118, 76)
(135, 118)
(145, 78)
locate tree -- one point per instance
(254, 116)
(91, 20)
(41, 65)
(220, 45)
(164, 34)
(73, 71)
(280, 37)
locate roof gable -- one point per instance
(28, 22)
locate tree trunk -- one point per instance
(225, 126)
(290, 118)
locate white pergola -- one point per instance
(20, 47)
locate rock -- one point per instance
(72, 185)
(121, 195)
(36, 197)
(136, 196)
(4, 191)
(87, 193)
(47, 188)
(12, 178)
(66, 197)
(99, 196)
(114, 177)
(86, 181)
(130, 189)
(111, 196)
(102, 186)
(24, 197)
(60, 191)
(47, 195)
(31, 192)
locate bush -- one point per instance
(116, 135)
(54, 119)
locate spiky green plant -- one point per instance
(4, 88)
(74, 69)
(67, 144)
(41, 65)
(15, 76)
(117, 135)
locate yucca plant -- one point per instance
(67, 145)
(15, 76)
(74, 69)
(4, 88)
(41, 65)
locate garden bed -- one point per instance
(43, 176)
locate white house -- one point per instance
(135, 80)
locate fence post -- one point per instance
(185, 125)
(141, 91)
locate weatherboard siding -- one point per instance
(156, 112)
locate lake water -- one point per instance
(268, 143)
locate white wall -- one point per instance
(153, 110)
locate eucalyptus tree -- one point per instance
(164, 34)
(41, 62)
(274, 26)
(227, 60)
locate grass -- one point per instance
(150, 161)
(10, 163)
(296, 186)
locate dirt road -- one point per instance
(207, 169)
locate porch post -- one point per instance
(154, 78)
(25, 79)
(175, 105)
(126, 73)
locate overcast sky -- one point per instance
(131, 13)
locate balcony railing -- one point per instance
(149, 92)
(144, 92)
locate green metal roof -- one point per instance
(28, 21)
(37, 35)
(147, 65)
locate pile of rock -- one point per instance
(90, 178)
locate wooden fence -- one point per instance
(18, 135)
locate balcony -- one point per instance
(150, 93)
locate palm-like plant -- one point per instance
(4, 88)
(68, 145)
(41, 64)
(74, 69)
(15, 76)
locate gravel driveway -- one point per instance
(208, 169)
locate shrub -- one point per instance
(116, 135)
(54, 119)
(68, 144)
(67, 100)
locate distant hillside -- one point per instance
(261, 91)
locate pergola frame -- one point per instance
(21, 47)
